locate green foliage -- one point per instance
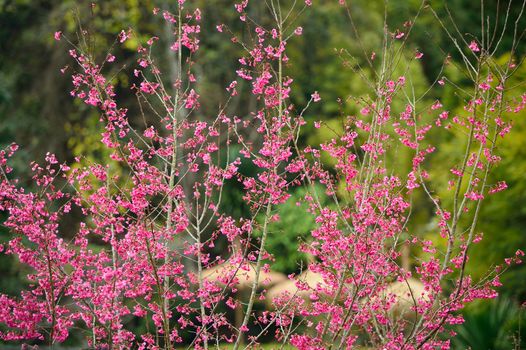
(491, 325)
(286, 235)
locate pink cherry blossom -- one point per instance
(171, 255)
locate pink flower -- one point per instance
(500, 186)
(167, 178)
(191, 100)
(123, 36)
(149, 132)
(474, 46)
(58, 35)
(148, 88)
(143, 63)
(484, 86)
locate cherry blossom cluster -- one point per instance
(153, 212)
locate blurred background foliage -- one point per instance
(37, 112)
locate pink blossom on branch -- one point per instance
(164, 212)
